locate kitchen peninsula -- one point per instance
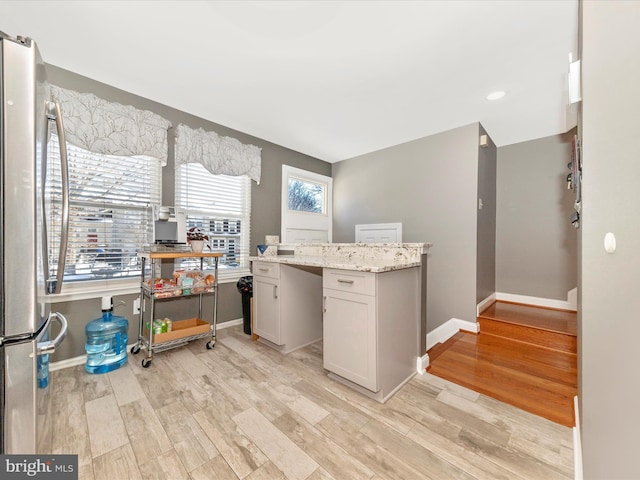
(367, 302)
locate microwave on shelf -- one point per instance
(169, 225)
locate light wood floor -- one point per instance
(244, 411)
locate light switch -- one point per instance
(610, 242)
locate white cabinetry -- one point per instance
(350, 333)
(287, 305)
(266, 282)
(371, 332)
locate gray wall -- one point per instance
(536, 243)
(486, 235)
(265, 204)
(430, 185)
(440, 179)
(610, 285)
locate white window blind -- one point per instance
(220, 205)
(108, 203)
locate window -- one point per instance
(305, 196)
(108, 212)
(220, 205)
(306, 206)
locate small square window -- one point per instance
(305, 196)
(305, 206)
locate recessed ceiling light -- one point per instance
(496, 95)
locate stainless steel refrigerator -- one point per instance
(26, 121)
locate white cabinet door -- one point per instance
(350, 337)
(266, 301)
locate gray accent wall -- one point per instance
(535, 241)
(609, 308)
(486, 233)
(265, 205)
(430, 185)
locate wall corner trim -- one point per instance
(448, 329)
(485, 303)
(422, 363)
(577, 442)
(572, 298)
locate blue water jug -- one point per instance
(106, 345)
(43, 368)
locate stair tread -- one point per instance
(553, 320)
(538, 380)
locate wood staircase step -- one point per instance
(545, 327)
(539, 380)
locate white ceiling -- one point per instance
(332, 79)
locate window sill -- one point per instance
(95, 289)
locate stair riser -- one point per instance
(543, 338)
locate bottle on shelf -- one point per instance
(106, 345)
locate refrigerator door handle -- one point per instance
(54, 113)
(43, 348)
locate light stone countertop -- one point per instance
(375, 266)
(361, 257)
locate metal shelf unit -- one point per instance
(184, 331)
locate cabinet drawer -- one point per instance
(349, 281)
(266, 269)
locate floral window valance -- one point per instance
(218, 154)
(110, 128)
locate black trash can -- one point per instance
(245, 287)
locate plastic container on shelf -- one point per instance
(106, 345)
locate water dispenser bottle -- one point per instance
(43, 367)
(106, 340)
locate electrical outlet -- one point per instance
(136, 306)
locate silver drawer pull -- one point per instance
(350, 282)
(263, 269)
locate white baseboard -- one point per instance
(448, 329)
(422, 363)
(537, 301)
(230, 323)
(577, 443)
(82, 359)
(71, 362)
(572, 298)
(485, 303)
